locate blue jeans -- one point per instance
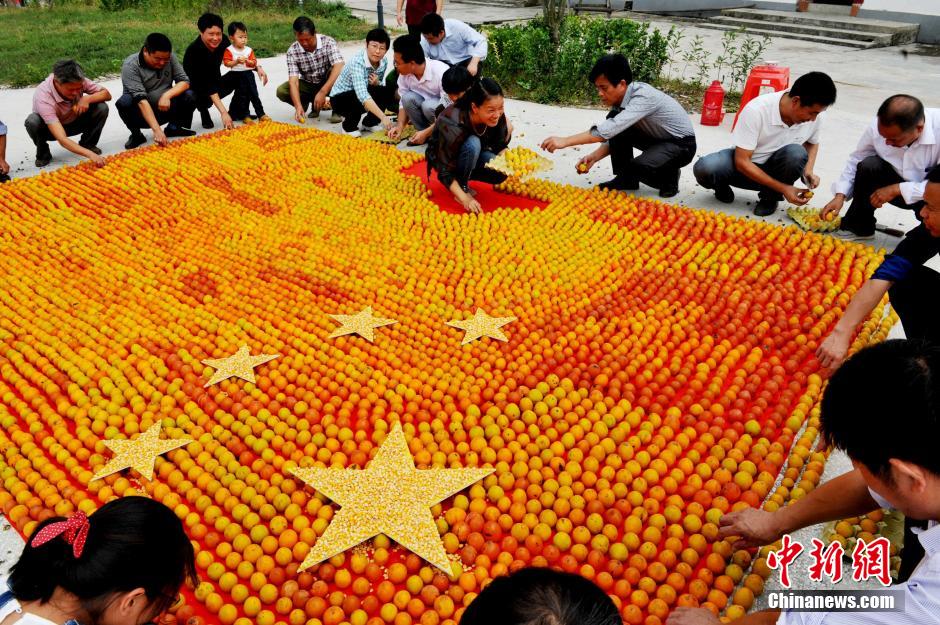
(471, 164)
(717, 170)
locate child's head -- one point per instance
(123, 564)
(456, 81)
(238, 33)
(536, 596)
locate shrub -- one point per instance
(524, 61)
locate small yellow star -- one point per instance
(139, 454)
(241, 364)
(362, 323)
(388, 497)
(480, 325)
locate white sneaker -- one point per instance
(849, 236)
(355, 134)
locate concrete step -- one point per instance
(804, 29)
(823, 20)
(771, 32)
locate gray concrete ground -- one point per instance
(864, 78)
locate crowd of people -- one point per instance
(437, 73)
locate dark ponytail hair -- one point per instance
(133, 542)
(479, 92)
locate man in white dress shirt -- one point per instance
(890, 165)
(889, 432)
(776, 141)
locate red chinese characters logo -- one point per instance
(827, 561)
(871, 560)
(789, 551)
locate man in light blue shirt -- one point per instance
(361, 89)
(452, 42)
(882, 408)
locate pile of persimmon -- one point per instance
(660, 371)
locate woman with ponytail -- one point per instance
(123, 565)
(467, 135)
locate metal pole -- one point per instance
(381, 11)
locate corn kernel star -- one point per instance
(362, 323)
(241, 364)
(139, 454)
(388, 497)
(480, 325)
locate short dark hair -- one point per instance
(814, 88)
(304, 24)
(934, 175)
(432, 24)
(133, 542)
(68, 70)
(409, 48)
(614, 67)
(456, 79)
(534, 596)
(903, 111)
(897, 379)
(208, 20)
(158, 42)
(234, 27)
(378, 35)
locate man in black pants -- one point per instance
(642, 117)
(914, 293)
(361, 88)
(202, 61)
(156, 92)
(890, 165)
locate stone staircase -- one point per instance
(852, 32)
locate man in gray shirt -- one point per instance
(156, 92)
(641, 117)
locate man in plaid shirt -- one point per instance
(361, 86)
(313, 65)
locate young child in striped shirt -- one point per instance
(238, 57)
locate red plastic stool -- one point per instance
(759, 80)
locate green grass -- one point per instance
(34, 38)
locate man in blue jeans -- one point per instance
(776, 141)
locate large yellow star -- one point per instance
(139, 454)
(480, 325)
(362, 323)
(388, 497)
(241, 364)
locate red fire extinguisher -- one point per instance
(712, 106)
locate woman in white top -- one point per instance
(123, 565)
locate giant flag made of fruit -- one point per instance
(657, 371)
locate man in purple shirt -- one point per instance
(65, 104)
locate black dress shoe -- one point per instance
(620, 183)
(178, 131)
(724, 194)
(668, 192)
(4, 178)
(763, 208)
(136, 139)
(43, 157)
